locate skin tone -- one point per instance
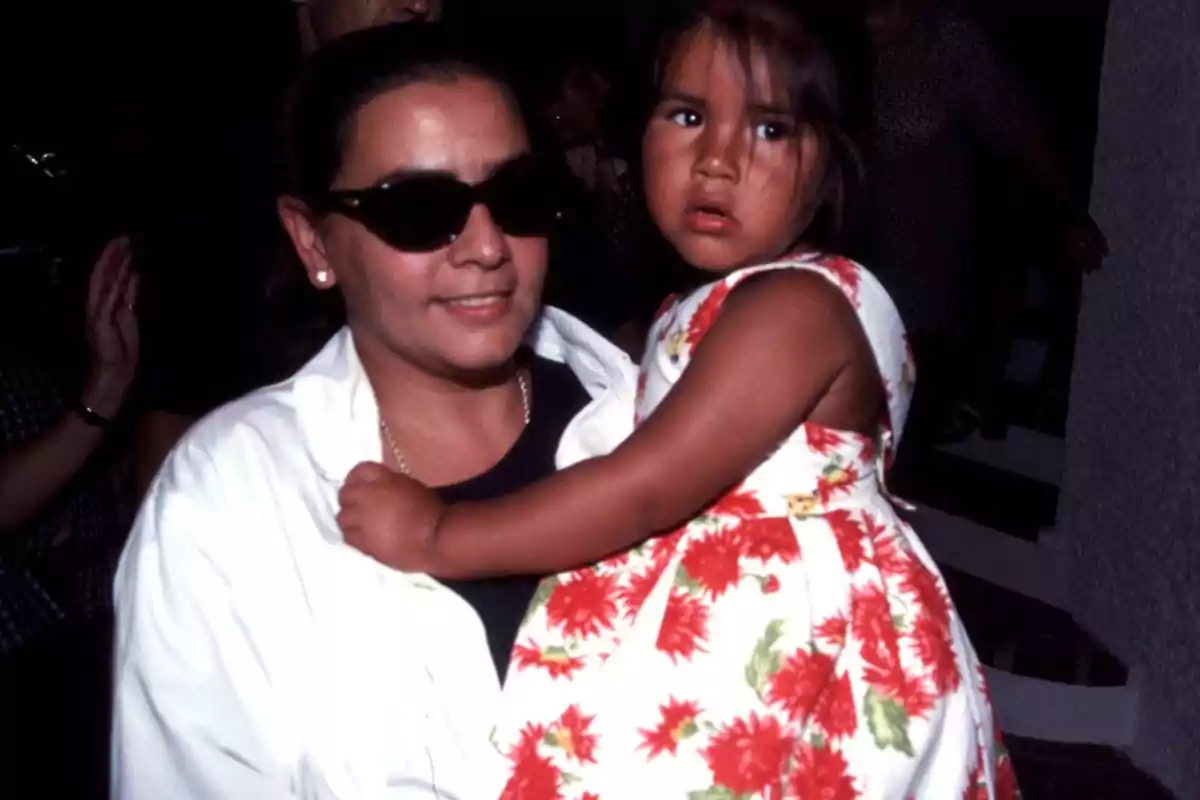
(436, 332)
(747, 387)
(322, 21)
(31, 475)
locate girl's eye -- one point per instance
(684, 117)
(772, 131)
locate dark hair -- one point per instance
(349, 72)
(795, 40)
(336, 82)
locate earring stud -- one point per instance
(322, 276)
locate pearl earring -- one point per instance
(322, 276)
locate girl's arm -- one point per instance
(778, 345)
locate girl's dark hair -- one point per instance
(795, 40)
(348, 73)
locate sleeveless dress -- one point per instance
(793, 641)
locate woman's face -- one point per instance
(730, 180)
(460, 309)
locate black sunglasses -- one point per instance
(424, 212)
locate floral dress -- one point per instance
(793, 641)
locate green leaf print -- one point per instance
(713, 793)
(764, 661)
(539, 598)
(686, 582)
(888, 723)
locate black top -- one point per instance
(501, 603)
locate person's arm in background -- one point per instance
(31, 475)
(997, 114)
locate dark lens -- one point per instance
(523, 198)
(417, 215)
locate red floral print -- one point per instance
(533, 776)
(684, 627)
(798, 682)
(706, 314)
(556, 661)
(821, 772)
(801, 649)
(836, 712)
(835, 481)
(713, 563)
(739, 503)
(880, 651)
(850, 538)
(572, 735)
(823, 440)
(663, 547)
(766, 538)
(583, 604)
(678, 722)
(749, 756)
(832, 632)
(634, 593)
(845, 273)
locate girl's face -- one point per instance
(731, 180)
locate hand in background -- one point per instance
(112, 329)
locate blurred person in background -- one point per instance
(321, 21)
(939, 100)
(61, 525)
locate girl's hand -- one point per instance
(389, 517)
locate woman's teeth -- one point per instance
(475, 302)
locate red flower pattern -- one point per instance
(767, 538)
(706, 314)
(713, 562)
(584, 604)
(748, 756)
(533, 775)
(572, 734)
(821, 772)
(556, 661)
(684, 627)
(678, 722)
(824, 687)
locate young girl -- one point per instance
(776, 630)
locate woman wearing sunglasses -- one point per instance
(260, 657)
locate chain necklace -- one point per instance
(391, 441)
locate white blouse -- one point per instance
(258, 656)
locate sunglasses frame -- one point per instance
(356, 203)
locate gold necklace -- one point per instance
(391, 441)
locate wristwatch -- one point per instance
(91, 417)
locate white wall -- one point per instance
(1132, 479)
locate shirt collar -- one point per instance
(338, 413)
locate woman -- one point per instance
(257, 655)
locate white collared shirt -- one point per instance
(258, 656)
